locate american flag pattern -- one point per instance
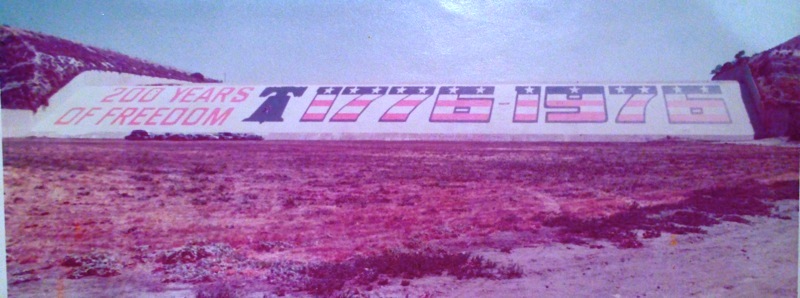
(410, 98)
(579, 104)
(463, 104)
(360, 98)
(321, 104)
(695, 104)
(526, 108)
(633, 111)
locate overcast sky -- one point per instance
(317, 42)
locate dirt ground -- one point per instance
(110, 218)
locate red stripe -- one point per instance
(459, 117)
(696, 104)
(313, 117)
(699, 118)
(394, 117)
(526, 117)
(576, 117)
(464, 103)
(321, 103)
(527, 103)
(359, 103)
(574, 103)
(407, 103)
(345, 117)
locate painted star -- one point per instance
(644, 89)
(423, 90)
(480, 89)
(376, 90)
(353, 90)
(574, 89)
(620, 89)
(704, 89)
(529, 90)
(401, 90)
(328, 90)
(677, 89)
(453, 90)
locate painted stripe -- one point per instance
(699, 118)
(632, 110)
(688, 111)
(359, 103)
(526, 110)
(574, 103)
(527, 103)
(350, 109)
(321, 103)
(313, 117)
(401, 109)
(636, 103)
(718, 103)
(459, 117)
(526, 117)
(408, 103)
(575, 117)
(345, 117)
(318, 109)
(464, 103)
(464, 97)
(394, 117)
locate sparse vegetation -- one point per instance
(705, 207)
(92, 264)
(329, 277)
(343, 218)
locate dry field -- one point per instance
(113, 218)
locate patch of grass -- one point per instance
(92, 264)
(327, 278)
(218, 290)
(706, 207)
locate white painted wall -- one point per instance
(19, 123)
(67, 116)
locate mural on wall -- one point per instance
(406, 100)
(715, 108)
(696, 104)
(575, 104)
(638, 97)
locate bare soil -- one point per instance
(271, 218)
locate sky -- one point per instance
(404, 42)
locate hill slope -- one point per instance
(34, 66)
(777, 72)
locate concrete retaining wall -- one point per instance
(518, 112)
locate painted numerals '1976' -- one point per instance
(526, 108)
(638, 97)
(578, 104)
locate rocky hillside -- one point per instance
(777, 73)
(34, 66)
